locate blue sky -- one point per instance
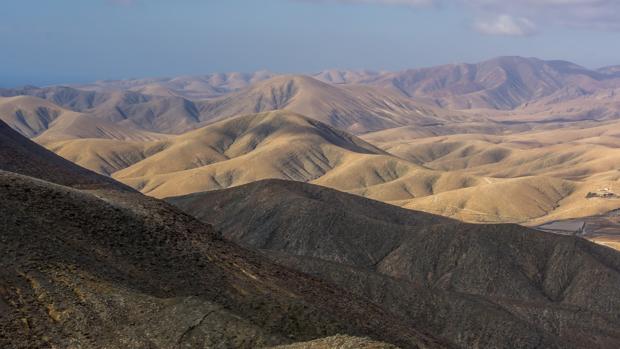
(67, 41)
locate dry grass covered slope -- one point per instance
(244, 149)
(548, 172)
(476, 178)
(128, 109)
(537, 136)
(28, 115)
(355, 109)
(286, 146)
(46, 122)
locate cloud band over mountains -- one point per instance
(522, 17)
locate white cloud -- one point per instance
(592, 14)
(523, 17)
(397, 2)
(505, 25)
(383, 2)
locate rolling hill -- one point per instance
(46, 122)
(280, 145)
(571, 104)
(127, 109)
(190, 87)
(29, 115)
(243, 149)
(356, 109)
(549, 172)
(470, 177)
(613, 70)
(500, 286)
(505, 89)
(535, 138)
(495, 96)
(502, 83)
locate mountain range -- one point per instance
(458, 206)
(511, 139)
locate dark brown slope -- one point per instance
(501, 286)
(20, 155)
(115, 269)
(309, 220)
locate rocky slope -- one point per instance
(501, 286)
(340, 342)
(85, 262)
(20, 155)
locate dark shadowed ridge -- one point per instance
(490, 286)
(112, 268)
(20, 155)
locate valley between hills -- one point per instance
(460, 206)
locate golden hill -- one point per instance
(47, 122)
(126, 109)
(192, 87)
(244, 149)
(531, 164)
(29, 115)
(546, 173)
(356, 109)
(470, 177)
(268, 145)
(502, 83)
(156, 109)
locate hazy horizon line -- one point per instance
(89, 80)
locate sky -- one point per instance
(47, 42)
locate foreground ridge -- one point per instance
(502, 286)
(109, 267)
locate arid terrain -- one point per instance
(512, 139)
(458, 206)
(488, 286)
(89, 262)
